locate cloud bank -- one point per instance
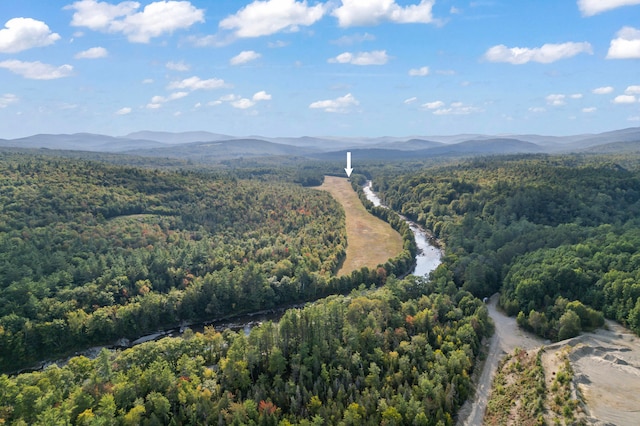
(372, 12)
(156, 19)
(594, 7)
(376, 57)
(37, 70)
(546, 54)
(342, 104)
(262, 18)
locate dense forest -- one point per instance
(91, 253)
(557, 236)
(401, 354)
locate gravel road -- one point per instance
(506, 338)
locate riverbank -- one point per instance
(429, 252)
(370, 240)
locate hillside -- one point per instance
(91, 253)
(81, 142)
(210, 147)
(215, 151)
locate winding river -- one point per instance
(428, 258)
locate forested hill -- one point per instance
(559, 237)
(90, 253)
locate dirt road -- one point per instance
(606, 365)
(505, 339)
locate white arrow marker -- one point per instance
(348, 169)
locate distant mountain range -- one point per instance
(211, 147)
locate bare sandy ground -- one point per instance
(606, 365)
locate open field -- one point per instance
(371, 241)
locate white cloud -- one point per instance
(243, 103)
(419, 72)
(372, 12)
(261, 96)
(177, 95)
(624, 99)
(589, 110)
(147, 81)
(277, 44)
(341, 104)
(626, 46)
(556, 100)
(455, 10)
(433, 105)
(632, 90)
(196, 83)
(244, 57)
(593, 7)
(8, 99)
(546, 54)
(576, 96)
(173, 96)
(157, 101)
(25, 33)
(410, 100)
(354, 39)
(177, 66)
(124, 111)
(93, 53)
(375, 57)
(537, 110)
(457, 108)
(209, 40)
(99, 16)
(239, 102)
(156, 19)
(602, 90)
(262, 18)
(37, 70)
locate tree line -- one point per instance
(556, 235)
(399, 354)
(92, 252)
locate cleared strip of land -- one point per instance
(370, 241)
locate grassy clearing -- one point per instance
(534, 388)
(518, 392)
(371, 241)
(563, 406)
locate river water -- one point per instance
(429, 255)
(428, 258)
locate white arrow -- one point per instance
(348, 169)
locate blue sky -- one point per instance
(338, 67)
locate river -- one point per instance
(429, 255)
(428, 258)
